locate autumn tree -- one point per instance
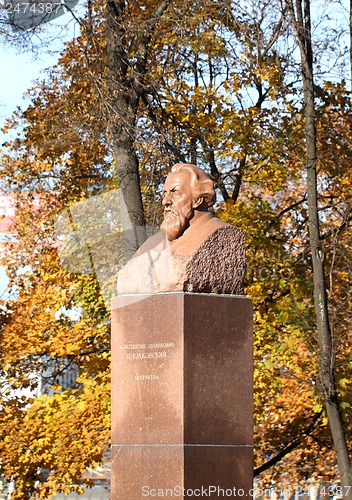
(301, 17)
(57, 322)
(208, 82)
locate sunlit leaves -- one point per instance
(220, 91)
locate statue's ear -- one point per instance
(197, 202)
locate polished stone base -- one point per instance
(181, 396)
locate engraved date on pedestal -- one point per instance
(146, 377)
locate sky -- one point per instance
(18, 70)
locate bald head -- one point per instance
(201, 184)
(187, 189)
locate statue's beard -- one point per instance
(174, 224)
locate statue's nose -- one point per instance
(166, 200)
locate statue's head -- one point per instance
(187, 189)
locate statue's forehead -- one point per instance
(182, 178)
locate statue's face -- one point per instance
(178, 202)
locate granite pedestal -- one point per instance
(182, 379)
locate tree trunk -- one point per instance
(127, 66)
(301, 19)
(123, 104)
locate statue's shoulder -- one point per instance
(219, 264)
(216, 224)
(225, 240)
(227, 233)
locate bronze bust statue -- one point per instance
(194, 251)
